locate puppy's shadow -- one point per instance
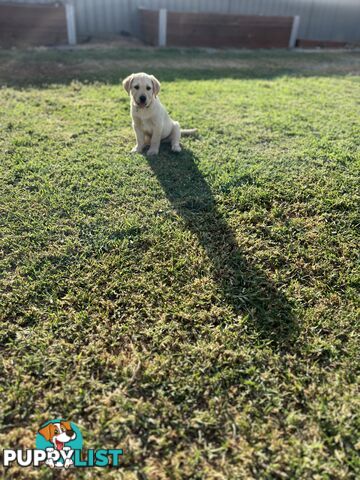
(244, 286)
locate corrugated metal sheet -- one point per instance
(336, 20)
(320, 19)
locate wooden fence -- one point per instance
(32, 24)
(183, 29)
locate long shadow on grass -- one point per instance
(244, 286)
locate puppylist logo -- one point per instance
(59, 444)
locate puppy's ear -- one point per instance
(66, 425)
(156, 84)
(127, 82)
(47, 432)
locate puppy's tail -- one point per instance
(188, 132)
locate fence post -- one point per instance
(162, 27)
(70, 23)
(294, 31)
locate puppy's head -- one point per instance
(142, 88)
(58, 433)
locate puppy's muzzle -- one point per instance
(142, 99)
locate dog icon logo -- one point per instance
(59, 444)
(59, 438)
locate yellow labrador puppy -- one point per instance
(151, 122)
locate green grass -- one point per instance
(197, 310)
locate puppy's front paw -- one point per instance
(68, 463)
(153, 151)
(50, 463)
(176, 148)
(137, 149)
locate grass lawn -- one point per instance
(197, 310)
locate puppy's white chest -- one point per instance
(147, 125)
(144, 119)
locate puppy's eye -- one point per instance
(136, 87)
(148, 88)
(56, 432)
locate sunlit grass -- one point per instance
(197, 310)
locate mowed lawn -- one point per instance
(198, 310)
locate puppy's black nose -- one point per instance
(142, 99)
(70, 433)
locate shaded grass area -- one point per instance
(197, 310)
(42, 67)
